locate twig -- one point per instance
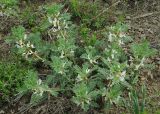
(48, 103)
(42, 74)
(105, 10)
(145, 15)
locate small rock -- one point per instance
(2, 112)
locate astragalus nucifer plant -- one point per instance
(86, 73)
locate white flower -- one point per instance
(79, 78)
(17, 45)
(122, 77)
(54, 30)
(64, 22)
(60, 72)
(64, 64)
(39, 82)
(87, 71)
(120, 42)
(58, 25)
(66, 26)
(110, 38)
(20, 42)
(88, 57)
(62, 54)
(55, 22)
(72, 52)
(1, 14)
(91, 61)
(32, 46)
(88, 100)
(122, 34)
(108, 59)
(123, 73)
(141, 64)
(25, 36)
(112, 55)
(95, 61)
(106, 50)
(50, 20)
(114, 51)
(41, 92)
(23, 54)
(28, 44)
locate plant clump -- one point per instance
(92, 72)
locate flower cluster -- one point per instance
(27, 48)
(58, 26)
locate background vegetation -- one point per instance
(80, 51)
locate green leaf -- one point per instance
(53, 92)
(60, 65)
(9, 2)
(35, 98)
(18, 32)
(143, 49)
(53, 9)
(134, 97)
(30, 82)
